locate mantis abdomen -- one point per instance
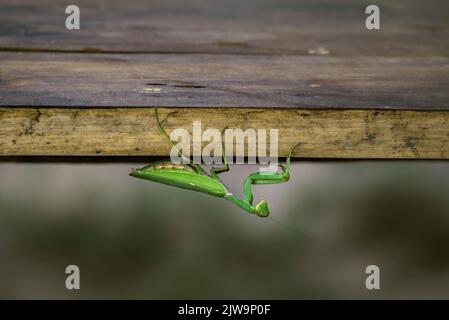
(181, 176)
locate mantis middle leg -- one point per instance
(214, 172)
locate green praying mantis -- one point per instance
(194, 177)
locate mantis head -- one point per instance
(261, 209)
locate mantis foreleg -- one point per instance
(267, 178)
(261, 209)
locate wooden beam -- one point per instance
(379, 134)
(308, 68)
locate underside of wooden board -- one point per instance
(389, 134)
(185, 80)
(409, 28)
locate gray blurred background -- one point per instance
(133, 238)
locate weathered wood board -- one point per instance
(180, 80)
(409, 28)
(308, 68)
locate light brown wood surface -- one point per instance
(133, 132)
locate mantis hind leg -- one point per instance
(184, 159)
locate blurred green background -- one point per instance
(133, 238)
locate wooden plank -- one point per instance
(179, 80)
(409, 28)
(367, 94)
(348, 134)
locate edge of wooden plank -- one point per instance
(132, 132)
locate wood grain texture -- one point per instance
(409, 28)
(180, 80)
(388, 134)
(306, 67)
